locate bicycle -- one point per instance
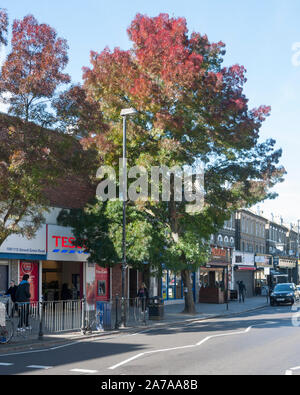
(6, 321)
(93, 324)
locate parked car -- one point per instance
(284, 293)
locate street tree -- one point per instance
(191, 109)
(33, 70)
(32, 161)
(3, 26)
(32, 158)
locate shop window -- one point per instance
(164, 285)
(171, 286)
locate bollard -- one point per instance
(83, 317)
(144, 310)
(41, 334)
(117, 318)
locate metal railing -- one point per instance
(36, 319)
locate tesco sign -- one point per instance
(60, 245)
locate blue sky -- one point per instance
(258, 34)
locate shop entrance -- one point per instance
(62, 280)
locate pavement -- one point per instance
(172, 315)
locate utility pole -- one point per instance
(124, 113)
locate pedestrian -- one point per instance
(12, 292)
(23, 300)
(242, 291)
(143, 295)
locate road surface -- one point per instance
(264, 342)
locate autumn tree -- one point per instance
(33, 158)
(190, 109)
(33, 70)
(3, 26)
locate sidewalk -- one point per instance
(172, 314)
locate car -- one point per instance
(284, 293)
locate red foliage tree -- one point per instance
(191, 109)
(3, 26)
(34, 69)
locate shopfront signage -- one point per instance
(287, 263)
(60, 245)
(219, 257)
(18, 244)
(263, 261)
(242, 258)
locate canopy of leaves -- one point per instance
(33, 69)
(32, 158)
(190, 109)
(3, 26)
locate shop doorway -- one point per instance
(133, 283)
(62, 280)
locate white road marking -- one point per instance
(37, 351)
(178, 348)
(289, 372)
(38, 367)
(5, 364)
(296, 368)
(83, 371)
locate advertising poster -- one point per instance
(102, 283)
(32, 269)
(90, 286)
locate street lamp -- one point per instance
(124, 113)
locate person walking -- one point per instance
(23, 299)
(143, 295)
(12, 292)
(242, 291)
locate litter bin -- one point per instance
(156, 308)
(103, 315)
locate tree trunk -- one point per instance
(189, 305)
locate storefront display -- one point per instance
(214, 277)
(172, 285)
(243, 270)
(264, 264)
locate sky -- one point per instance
(262, 35)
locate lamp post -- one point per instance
(124, 113)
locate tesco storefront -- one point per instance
(58, 270)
